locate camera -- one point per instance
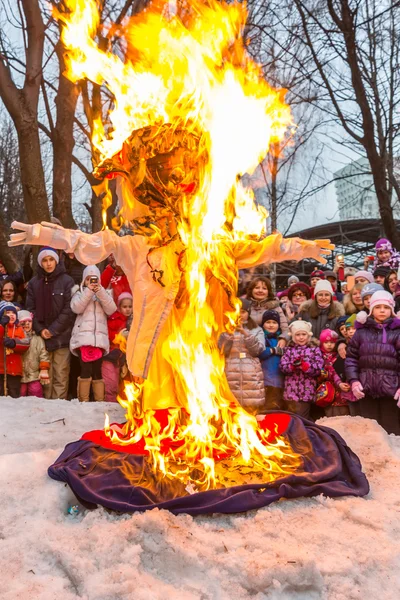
(93, 280)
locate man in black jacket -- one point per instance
(48, 298)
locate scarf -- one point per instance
(44, 299)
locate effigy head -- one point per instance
(161, 163)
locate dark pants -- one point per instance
(13, 385)
(299, 408)
(383, 410)
(91, 369)
(337, 411)
(273, 398)
(354, 408)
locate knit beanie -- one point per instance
(369, 289)
(25, 315)
(317, 273)
(302, 287)
(350, 321)
(90, 271)
(382, 271)
(381, 297)
(341, 321)
(271, 315)
(47, 251)
(323, 286)
(366, 275)
(297, 326)
(293, 279)
(5, 306)
(124, 296)
(383, 244)
(328, 335)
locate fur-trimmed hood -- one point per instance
(265, 304)
(336, 309)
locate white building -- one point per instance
(355, 192)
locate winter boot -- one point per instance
(84, 389)
(98, 390)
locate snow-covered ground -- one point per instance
(320, 548)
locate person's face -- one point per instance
(301, 338)
(393, 281)
(125, 307)
(27, 326)
(49, 264)
(356, 296)
(367, 301)
(271, 326)
(384, 255)
(361, 280)
(333, 283)
(260, 291)
(379, 279)
(343, 331)
(350, 332)
(244, 316)
(381, 312)
(328, 346)
(323, 298)
(314, 280)
(298, 298)
(8, 292)
(2, 269)
(12, 316)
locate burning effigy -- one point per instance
(191, 114)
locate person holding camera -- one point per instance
(89, 341)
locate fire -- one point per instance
(186, 75)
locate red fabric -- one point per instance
(90, 353)
(305, 366)
(14, 359)
(115, 323)
(117, 283)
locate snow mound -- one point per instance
(306, 549)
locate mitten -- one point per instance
(397, 397)
(5, 320)
(357, 390)
(9, 342)
(305, 366)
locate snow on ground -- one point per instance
(307, 549)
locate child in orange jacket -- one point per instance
(13, 344)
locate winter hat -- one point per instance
(25, 315)
(383, 244)
(323, 286)
(366, 275)
(297, 326)
(293, 279)
(4, 306)
(124, 296)
(350, 321)
(369, 289)
(328, 335)
(317, 273)
(382, 271)
(92, 271)
(350, 271)
(302, 287)
(330, 274)
(47, 251)
(341, 321)
(381, 297)
(271, 315)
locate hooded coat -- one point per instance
(259, 308)
(270, 360)
(301, 379)
(13, 356)
(320, 318)
(243, 368)
(35, 359)
(90, 327)
(373, 357)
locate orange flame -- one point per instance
(192, 71)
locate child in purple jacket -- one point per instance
(301, 363)
(373, 363)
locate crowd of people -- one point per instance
(329, 346)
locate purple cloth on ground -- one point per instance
(123, 482)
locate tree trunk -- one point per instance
(7, 255)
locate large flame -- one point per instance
(187, 66)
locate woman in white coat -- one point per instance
(89, 340)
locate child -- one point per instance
(367, 291)
(341, 326)
(112, 363)
(351, 327)
(333, 375)
(12, 345)
(89, 338)
(386, 255)
(301, 363)
(270, 359)
(373, 364)
(242, 366)
(35, 361)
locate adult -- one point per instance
(363, 277)
(353, 302)
(331, 276)
(261, 296)
(316, 276)
(9, 293)
(48, 298)
(298, 293)
(391, 281)
(16, 277)
(322, 311)
(380, 275)
(114, 278)
(73, 267)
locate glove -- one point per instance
(4, 320)
(9, 342)
(31, 233)
(44, 377)
(317, 249)
(358, 390)
(305, 366)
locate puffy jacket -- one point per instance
(13, 356)
(373, 357)
(116, 323)
(320, 318)
(301, 380)
(243, 368)
(35, 359)
(270, 360)
(61, 319)
(259, 308)
(90, 327)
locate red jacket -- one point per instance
(117, 283)
(13, 356)
(116, 323)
